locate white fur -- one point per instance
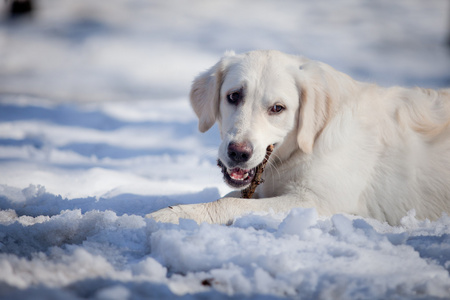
(342, 146)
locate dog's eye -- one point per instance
(234, 97)
(276, 109)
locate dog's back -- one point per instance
(413, 170)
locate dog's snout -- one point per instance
(240, 152)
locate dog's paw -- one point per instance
(171, 214)
(213, 212)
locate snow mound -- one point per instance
(97, 254)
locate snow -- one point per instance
(96, 131)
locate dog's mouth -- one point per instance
(237, 177)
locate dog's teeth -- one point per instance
(238, 174)
(236, 177)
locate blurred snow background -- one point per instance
(96, 132)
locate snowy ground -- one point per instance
(96, 132)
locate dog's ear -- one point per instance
(205, 94)
(320, 88)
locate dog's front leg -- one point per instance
(197, 212)
(225, 210)
(213, 212)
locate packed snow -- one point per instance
(96, 132)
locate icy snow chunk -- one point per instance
(259, 221)
(206, 247)
(56, 269)
(231, 278)
(117, 292)
(267, 284)
(16, 195)
(298, 220)
(8, 216)
(33, 191)
(150, 269)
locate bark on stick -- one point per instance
(257, 180)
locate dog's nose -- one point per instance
(240, 152)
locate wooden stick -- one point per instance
(257, 180)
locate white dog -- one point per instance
(341, 146)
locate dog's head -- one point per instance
(261, 98)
